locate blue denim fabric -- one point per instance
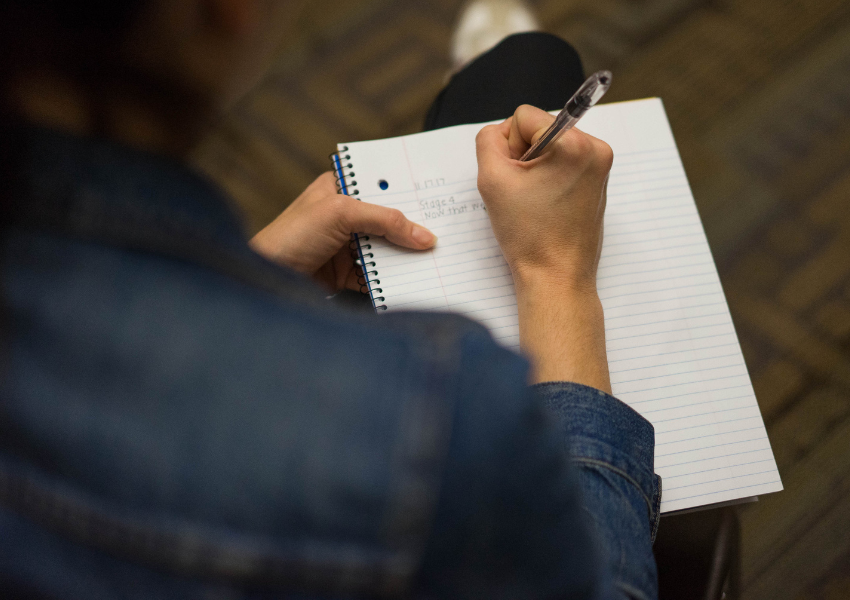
(181, 419)
(613, 452)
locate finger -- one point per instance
(352, 282)
(583, 151)
(527, 125)
(388, 222)
(343, 265)
(491, 144)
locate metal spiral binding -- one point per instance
(359, 244)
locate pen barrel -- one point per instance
(577, 106)
(562, 124)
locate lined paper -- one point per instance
(672, 349)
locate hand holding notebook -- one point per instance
(311, 236)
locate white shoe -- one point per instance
(484, 23)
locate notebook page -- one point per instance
(672, 349)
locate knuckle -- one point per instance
(583, 145)
(484, 184)
(395, 220)
(339, 205)
(487, 179)
(524, 110)
(604, 155)
(576, 147)
(483, 135)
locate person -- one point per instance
(184, 414)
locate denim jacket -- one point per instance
(181, 419)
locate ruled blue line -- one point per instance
(620, 172)
(669, 489)
(495, 287)
(499, 265)
(657, 290)
(687, 339)
(700, 274)
(679, 195)
(669, 237)
(492, 329)
(658, 189)
(620, 213)
(513, 304)
(699, 437)
(681, 372)
(440, 263)
(692, 427)
(641, 152)
(443, 236)
(746, 396)
(743, 487)
(667, 268)
(449, 285)
(659, 249)
(744, 374)
(482, 299)
(651, 229)
(755, 439)
(654, 312)
(652, 260)
(714, 412)
(617, 183)
(644, 356)
(731, 387)
(657, 218)
(626, 337)
(689, 473)
(392, 304)
(658, 301)
(690, 462)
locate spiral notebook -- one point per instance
(672, 349)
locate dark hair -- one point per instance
(62, 32)
(85, 16)
(78, 37)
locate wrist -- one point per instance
(567, 284)
(562, 329)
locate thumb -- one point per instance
(510, 139)
(361, 216)
(527, 125)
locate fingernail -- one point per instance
(422, 236)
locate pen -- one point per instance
(590, 92)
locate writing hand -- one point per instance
(547, 215)
(312, 235)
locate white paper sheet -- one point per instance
(672, 348)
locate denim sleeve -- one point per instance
(509, 523)
(612, 449)
(540, 506)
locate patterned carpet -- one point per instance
(758, 93)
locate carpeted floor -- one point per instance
(758, 93)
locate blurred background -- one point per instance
(758, 94)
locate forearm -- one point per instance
(562, 330)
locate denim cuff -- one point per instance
(603, 431)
